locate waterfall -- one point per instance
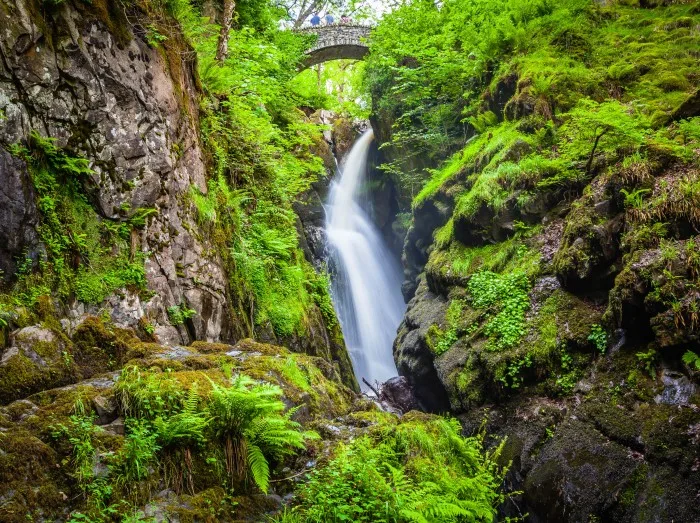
(366, 286)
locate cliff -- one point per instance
(551, 261)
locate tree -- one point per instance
(226, 21)
(301, 10)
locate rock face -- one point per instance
(80, 76)
(18, 214)
(557, 315)
(85, 74)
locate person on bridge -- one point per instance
(345, 19)
(315, 20)
(329, 19)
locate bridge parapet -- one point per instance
(337, 41)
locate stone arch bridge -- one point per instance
(336, 42)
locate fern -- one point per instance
(259, 467)
(248, 419)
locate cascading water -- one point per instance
(366, 287)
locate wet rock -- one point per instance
(413, 357)
(397, 393)
(584, 477)
(678, 389)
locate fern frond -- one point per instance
(259, 467)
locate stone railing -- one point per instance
(336, 41)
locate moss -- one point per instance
(20, 376)
(99, 346)
(211, 348)
(27, 477)
(142, 350)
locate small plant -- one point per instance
(141, 216)
(442, 341)
(512, 377)
(248, 419)
(648, 361)
(599, 338)
(505, 299)
(567, 380)
(139, 453)
(692, 360)
(153, 37)
(80, 431)
(634, 199)
(178, 314)
(6, 316)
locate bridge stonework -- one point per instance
(336, 42)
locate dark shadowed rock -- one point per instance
(18, 214)
(398, 393)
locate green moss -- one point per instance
(86, 257)
(454, 261)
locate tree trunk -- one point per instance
(226, 21)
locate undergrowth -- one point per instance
(414, 469)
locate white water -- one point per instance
(367, 284)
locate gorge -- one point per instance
(457, 280)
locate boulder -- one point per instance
(37, 359)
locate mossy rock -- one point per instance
(588, 474)
(590, 243)
(38, 359)
(100, 346)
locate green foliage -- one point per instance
(596, 79)
(648, 361)
(606, 127)
(567, 379)
(153, 37)
(138, 455)
(148, 395)
(692, 360)
(512, 377)
(416, 470)
(442, 341)
(261, 149)
(80, 258)
(179, 314)
(248, 419)
(599, 338)
(504, 300)
(634, 199)
(80, 433)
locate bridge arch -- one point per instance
(336, 42)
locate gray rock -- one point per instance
(18, 214)
(106, 409)
(678, 389)
(116, 427)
